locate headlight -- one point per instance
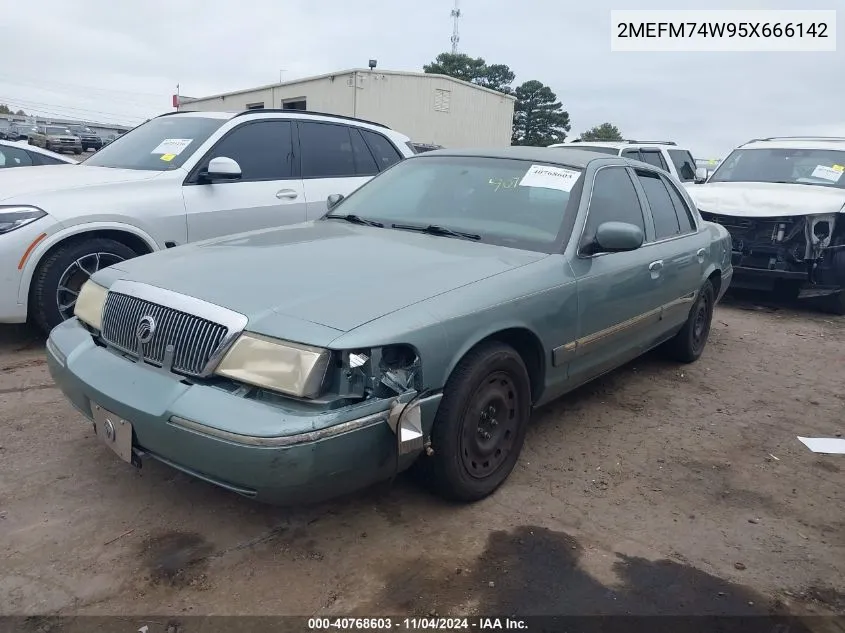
(294, 369)
(12, 218)
(90, 303)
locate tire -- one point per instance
(77, 151)
(688, 344)
(491, 380)
(45, 295)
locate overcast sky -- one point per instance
(119, 62)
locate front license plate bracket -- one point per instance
(115, 432)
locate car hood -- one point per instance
(50, 178)
(766, 199)
(328, 273)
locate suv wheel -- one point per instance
(60, 276)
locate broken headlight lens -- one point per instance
(90, 303)
(290, 368)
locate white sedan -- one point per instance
(20, 154)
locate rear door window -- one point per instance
(685, 219)
(654, 157)
(662, 210)
(326, 150)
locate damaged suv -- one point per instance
(783, 201)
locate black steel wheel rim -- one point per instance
(80, 271)
(701, 324)
(490, 425)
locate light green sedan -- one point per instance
(419, 322)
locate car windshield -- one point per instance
(57, 131)
(502, 201)
(160, 144)
(795, 166)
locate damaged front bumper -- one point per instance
(803, 253)
(298, 453)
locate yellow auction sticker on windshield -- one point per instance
(838, 168)
(168, 157)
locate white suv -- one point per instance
(665, 155)
(177, 178)
(783, 201)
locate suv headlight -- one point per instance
(12, 218)
(90, 303)
(291, 368)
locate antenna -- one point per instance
(456, 36)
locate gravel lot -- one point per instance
(658, 489)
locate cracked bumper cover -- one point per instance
(252, 448)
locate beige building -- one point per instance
(429, 108)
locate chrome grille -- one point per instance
(194, 339)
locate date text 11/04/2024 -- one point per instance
(417, 623)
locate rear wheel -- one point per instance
(689, 343)
(481, 423)
(60, 276)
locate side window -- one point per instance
(365, 164)
(684, 163)
(263, 149)
(662, 210)
(14, 157)
(383, 150)
(685, 219)
(326, 150)
(41, 159)
(633, 154)
(654, 157)
(613, 199)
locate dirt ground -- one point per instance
(660, 488)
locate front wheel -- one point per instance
(60, 276)
(481, 423)
(689, 343)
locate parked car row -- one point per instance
(293, 305)
(55, 137)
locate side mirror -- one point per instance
(333, 200)
(221, 168)
(701, 174)
(615, 237)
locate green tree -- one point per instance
(603, 132)
(20, 113)
(472, 69)
(539, 118)
(4, 109)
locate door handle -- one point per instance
(290, 194)
(656, 266)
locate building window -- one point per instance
(442, 99)
(294, 104)
(255, 106)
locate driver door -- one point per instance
(269, 193)
(619, 294)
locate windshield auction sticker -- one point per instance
(827, 173)
(173, 146)
(550, 177)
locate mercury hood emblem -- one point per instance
(145, 329)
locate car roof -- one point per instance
(796, 142)
(37, 150)
(562, 156)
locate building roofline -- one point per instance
(341, 73)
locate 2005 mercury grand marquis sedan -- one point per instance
(418, 322)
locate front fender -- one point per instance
(51, 240)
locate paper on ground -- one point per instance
(829, 445)
(173, 146)
(550, 177)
